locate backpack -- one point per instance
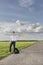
(16, 51)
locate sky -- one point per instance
(21, 16)
(27, 10)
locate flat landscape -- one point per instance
(32, 55)
(4, 47)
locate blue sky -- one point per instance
(26, 10)
(21, 16)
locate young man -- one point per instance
(13, 41)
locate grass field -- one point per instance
(4, 47)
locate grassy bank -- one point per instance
(4, 47)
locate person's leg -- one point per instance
(11, 46)
(14, 45)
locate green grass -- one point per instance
(4, 47)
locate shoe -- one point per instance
(9, 52)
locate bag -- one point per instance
(16, 51)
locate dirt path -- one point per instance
(32, 55)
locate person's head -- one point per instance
(13, 32)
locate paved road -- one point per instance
(32, 55)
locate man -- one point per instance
(13, 41)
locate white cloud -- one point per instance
(26, 3)
(6, 28)
(18, 22)
(29, 28)
(18, 27)
(37, 29)
(34, 27)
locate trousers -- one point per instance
(12, 43)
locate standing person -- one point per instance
(13, 41)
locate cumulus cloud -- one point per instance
(18, 27)
(26, 3)
(37, 29)
(30, 27)
(33, 28)
(18, 22)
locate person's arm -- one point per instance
(21, 34)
